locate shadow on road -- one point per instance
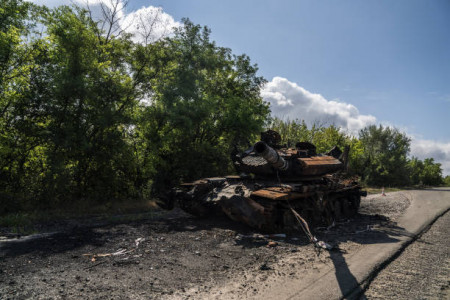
(379, 230)
(347, 282)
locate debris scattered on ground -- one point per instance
(277, 235)
(272, 244)
(138, 241)
(94, 265)
(118, 252)
(368, 228)
(323, 245)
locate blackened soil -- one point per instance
(173, 255)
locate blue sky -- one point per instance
(391, 59)
(352, 63)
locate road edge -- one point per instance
(362, 287)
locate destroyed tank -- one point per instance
(276, 187)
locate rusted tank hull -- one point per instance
(267, 205)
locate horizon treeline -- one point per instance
(88, 115)
(379, 155)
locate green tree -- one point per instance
(431, 173)
(67, 103)
(90, 107)
(415, 170)
(203, 100)
(291, 131)
(324, 137)
(20, 122)
(447, 180)
(385, 156)
(89, 115)
(356, 157)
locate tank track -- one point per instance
(320, 207)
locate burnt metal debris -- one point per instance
(274, 182)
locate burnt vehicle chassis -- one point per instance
(275, 185)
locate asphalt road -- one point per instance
(421, 271)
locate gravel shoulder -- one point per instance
(176, 256)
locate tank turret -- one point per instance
(265, 161)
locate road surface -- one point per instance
(421, 271)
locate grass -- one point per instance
(377, 190)
(24, 223)
(18, 223)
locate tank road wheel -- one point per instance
(196, 208)
(350, 205)
(346, 211)
(355, 201)
(338, 214)
(194, 200)
(328, 215)
(245, 210)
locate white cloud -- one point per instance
(440, 151)
(50, 3)
(147, 24)
(289, 100)
(113, 5)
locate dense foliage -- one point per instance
(203, 100)
(86, 114)
(447, 180)
(89, 116)
(379, 155)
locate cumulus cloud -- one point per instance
(147, 24)
(289, 100)
(50, 3)
(116, 6)
(440, 151)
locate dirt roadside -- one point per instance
(176, 256)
